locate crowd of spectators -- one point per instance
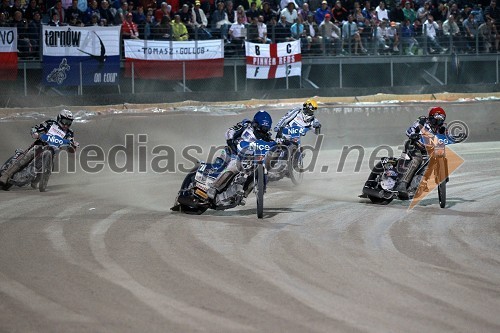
(328, 27)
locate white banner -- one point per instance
(81, 41)
(268, 61)
(8, 40)
(170, 50)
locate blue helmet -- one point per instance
(262, 121)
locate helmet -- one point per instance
(308, 109)
(65, 118)
(262, 123)
(437, 116)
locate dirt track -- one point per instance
(103, 253)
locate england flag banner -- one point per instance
(8, 53)
(81, 55)
(269, 61)
(170, 60)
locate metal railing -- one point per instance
(343, 72)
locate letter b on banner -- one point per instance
(257, 50)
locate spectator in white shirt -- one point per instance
(382, 12)
(430, 29)
(290, 13)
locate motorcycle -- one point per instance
(38, 171)
(387, 173)
(193, 195)
(290, 160)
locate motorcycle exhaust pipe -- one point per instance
(381, 194)
(188, 201)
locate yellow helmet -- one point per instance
(309, 107)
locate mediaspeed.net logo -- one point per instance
(442, 163)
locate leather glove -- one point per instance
(35, 135)
(414, 136)
(422, 120)
(442, 130)
(317, 126)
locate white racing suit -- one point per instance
(295, 117)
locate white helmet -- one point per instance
(65, 118)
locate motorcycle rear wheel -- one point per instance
(379, 201)
(191, 210)
(4, 167)
(376, 171)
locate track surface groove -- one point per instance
(103, 253)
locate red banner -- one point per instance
(170, 60)
(8, 53)
(173, 70)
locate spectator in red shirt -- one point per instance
(164, 10)
(129, 28)
(339, 13)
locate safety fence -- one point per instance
(317, 72)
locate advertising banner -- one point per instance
(81, 55)
(167, 60)
(269, 61)
(8, 53)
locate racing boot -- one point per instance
(401, 188)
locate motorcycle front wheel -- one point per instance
(260, 191)
(46, 170)
(442, 175)
(296, 166)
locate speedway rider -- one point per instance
(239, 139)
(433, 124)
(60, 127)
(302, 117)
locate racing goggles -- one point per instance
(438, 119)
(66, 121)
(309, 111)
